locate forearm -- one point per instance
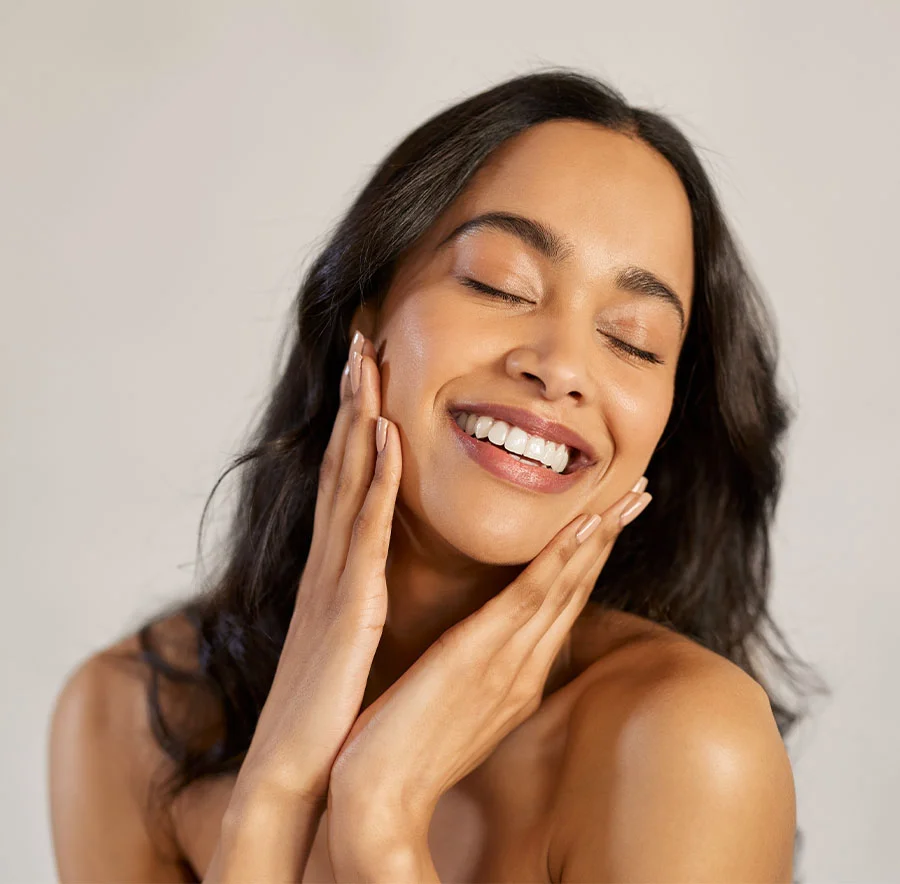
(264, 838)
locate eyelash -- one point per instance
(636, 352)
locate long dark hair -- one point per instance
(698, 560)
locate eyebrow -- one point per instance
(553, 245)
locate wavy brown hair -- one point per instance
(698, 560)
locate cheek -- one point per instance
(636, 418)
(644, 416)
(422, 354)
(424, 349)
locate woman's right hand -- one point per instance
(341, 601)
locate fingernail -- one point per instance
(640, 485)
(344, 375)
(355, 344)
(635, 509)
(380, 433)
(355, 370)
(587, 529)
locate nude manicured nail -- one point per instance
(587, 529)
(380, 433)
(356, 343)
(640, 485)
(635, 509)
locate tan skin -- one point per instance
(509, 729)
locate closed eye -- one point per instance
(645, 355)
(489, 290)
(628, 349)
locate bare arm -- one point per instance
(100, 764)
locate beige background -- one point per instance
(167, 169)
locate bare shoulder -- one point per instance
(674, 770)
(104, 765)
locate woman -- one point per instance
(424, 658)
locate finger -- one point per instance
(541, 591)
(370, 537)
(358, 464)
(590, 556)
(550, 631)
(332, 460)
(540, 656)
(337, 444)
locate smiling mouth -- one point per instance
(531, 450)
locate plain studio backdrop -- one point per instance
(168, 170)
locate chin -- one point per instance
(492, 539)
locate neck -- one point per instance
(432, 587)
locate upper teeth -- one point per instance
(516, 441)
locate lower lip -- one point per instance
(520, 472)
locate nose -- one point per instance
(554, 360)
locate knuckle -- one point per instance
(523, 693)
(343, 486)
(562, 554)
(528, 598)
(363, 525)
(497, 679)
(328, 467)
(335, 604)
(358, 418)
(568, 585)
(450, 639)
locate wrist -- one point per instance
(258, 789)
(397, 856)
(265, 833)
(259, 808)
(401, 864)
(370, 839)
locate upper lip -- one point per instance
(550, 430)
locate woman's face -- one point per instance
(620, 213)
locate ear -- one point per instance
(365, 320)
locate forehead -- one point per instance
(616, 199)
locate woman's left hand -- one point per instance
(475, 684)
